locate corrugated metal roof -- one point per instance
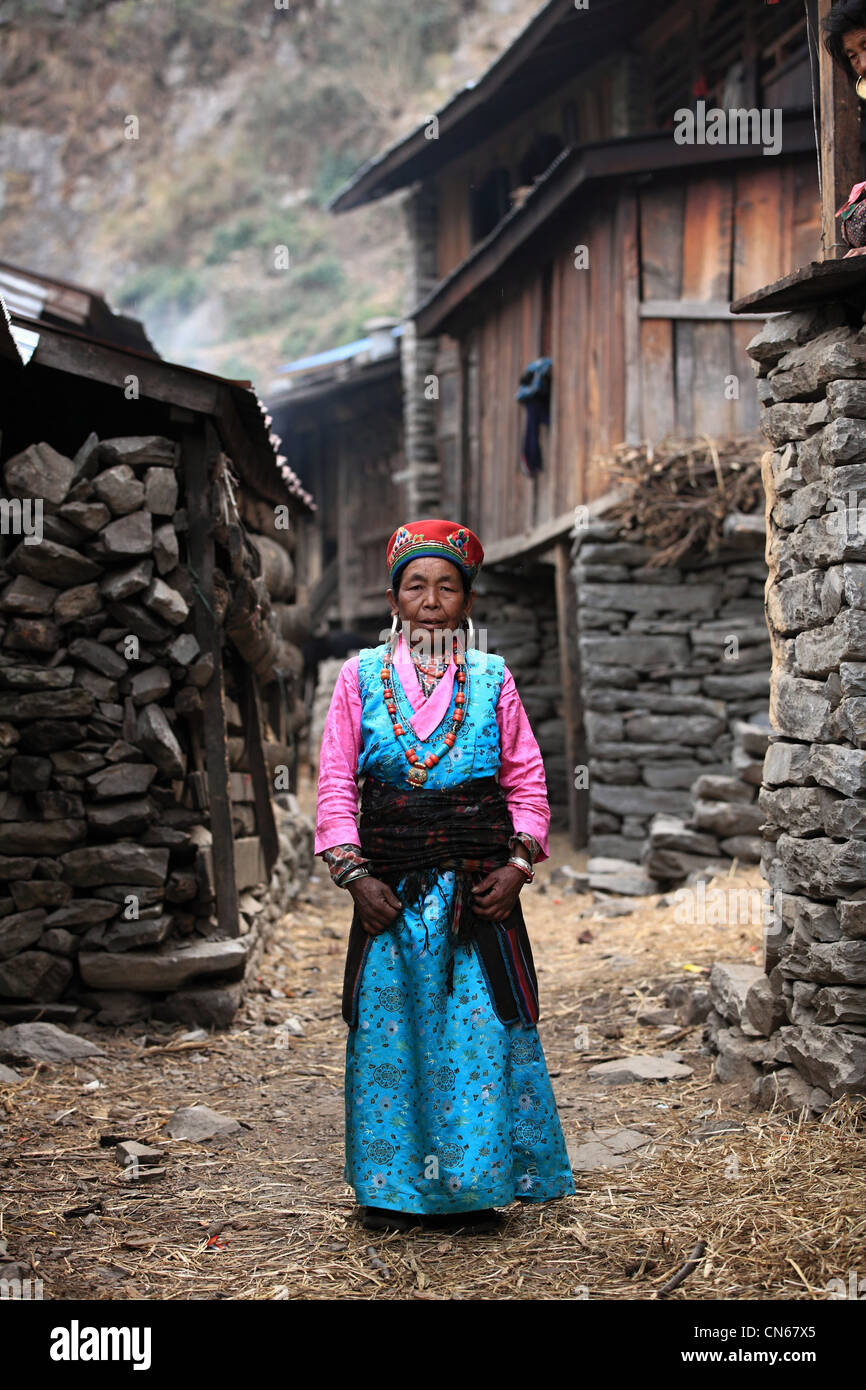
(252, 412)
(343, 353)
(45, 298)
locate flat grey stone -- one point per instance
(608, 1148)
(618, 876)
(119, 488)
(122, 584)
(139, 451)
(131, 1154)
(121, 863)
(45, 1042)
(829, 1058)
(53, 563)
(129, 535)
(625, 1070)
(40, 471)
(20, 930)
(156, 738)
(198, 1122)
(729, 986)
(160, 491)
(163, 969)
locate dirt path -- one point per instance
(264, 1213)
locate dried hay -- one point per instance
(263, 1214)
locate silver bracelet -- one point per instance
(356, 873)
(524, 867)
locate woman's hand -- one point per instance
(377, 904)
(855, 251)
(494, 897)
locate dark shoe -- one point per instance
(382, 1219)
(481, 1222)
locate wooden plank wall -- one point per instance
(705, 238)
(587, 347)
(588, 98)
(367, 441)
(712, 238)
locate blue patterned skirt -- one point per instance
(447, 1108)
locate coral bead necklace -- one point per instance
(419, 766)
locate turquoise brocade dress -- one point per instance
(447, 1108)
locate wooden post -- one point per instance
(199, 451)
(575, 742)
(840, 143)
(266, 824)
(627, 208)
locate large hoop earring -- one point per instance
(470, 630)
(860, 88)
(395, 631)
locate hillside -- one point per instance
(163, 150)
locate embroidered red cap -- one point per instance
(445, 540)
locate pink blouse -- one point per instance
(521, 769)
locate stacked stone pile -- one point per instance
(743, 1028)
(725, 818)
(105, 858)
(328, 671)
(518, 611)
(811, 368)
(671, 659)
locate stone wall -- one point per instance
(671, 659)
(107, 902)
(326, 679)
(809, 1006)
(725, 816)
(517, 607)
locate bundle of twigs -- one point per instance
(679, 493)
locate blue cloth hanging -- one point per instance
(534, 394)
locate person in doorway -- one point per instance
(845, 41)
(450, 1112)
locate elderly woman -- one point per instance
(845, 41)
(449, 1108)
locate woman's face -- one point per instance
(854, 45)
(431, 600)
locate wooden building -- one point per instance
(341, 415)
(569, 205)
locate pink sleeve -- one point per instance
(521, 769)
(337, 801)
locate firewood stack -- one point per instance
(106, 880)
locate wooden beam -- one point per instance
(575, 743)
(266, 824)
(811, 284)
(78, 355)
(711, 309)
(840, 143)
(526, 544)
(199, 451)
(628, 208)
